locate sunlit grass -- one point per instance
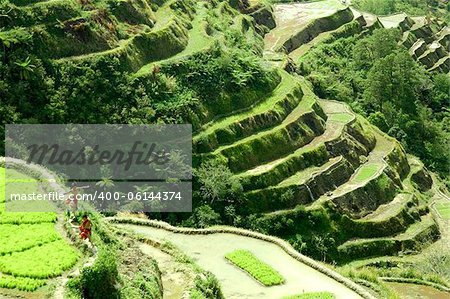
(443, 209)
(259, 270)
(366, 172)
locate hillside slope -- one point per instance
(273, 152)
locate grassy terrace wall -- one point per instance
(249, 125)
(442, 66)
(317, 26)
(145, 47)
(264, 16)
(422, 180)
(420, 49)
(363, 134)
(63, 44)
(134, 12)
(409, 39)
(397, 160)
(444, 39)
(349, 147)
(416, 237)
(70, 28)
(276, 198)
(346, 30)
(432, 56)
(426, 32)
(357, 26)
(278, 142)
(229, 103)
(366, 199)
(406, 23)
(39, 13)
(387, 226)
(314, 157)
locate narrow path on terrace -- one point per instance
(208, 251)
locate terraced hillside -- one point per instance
(427, 41)
(348, 181)
(348, 175)
(33, 250)
(308, 170)
(303, 26)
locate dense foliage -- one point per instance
(37, 89)
(381, 80)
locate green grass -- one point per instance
(21, 237)
(443, 209)
(259, 270)
(20, 283)
(315, 295)
(31, 250)
(366, 172)
(20, 183)
(46, 261)
(341, 117)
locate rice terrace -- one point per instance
(318, 164)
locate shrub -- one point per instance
(99, 280)
(206, 287)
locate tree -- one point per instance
(205, 216)
(378, 45)
(378, 119)
(217, 182)
(397, 79)
(439, 99)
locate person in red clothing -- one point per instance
(86, 228)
